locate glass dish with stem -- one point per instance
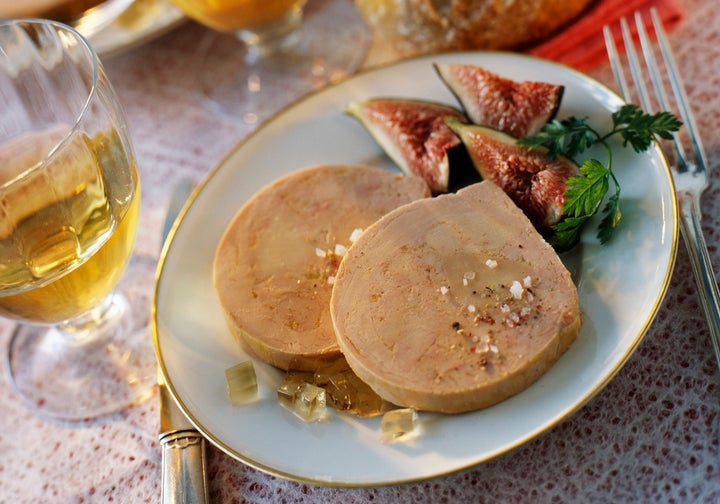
(265, 53)
(69, 207)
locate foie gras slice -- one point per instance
(454, 303)
(276, 262)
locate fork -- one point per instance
(689, 168)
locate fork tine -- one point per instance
(615, 65)
(656, 80)
(652, 66)
(679, 91)
(635, 67)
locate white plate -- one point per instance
(143, 21)
(621, 286)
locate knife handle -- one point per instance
(184, 476)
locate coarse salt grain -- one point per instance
(331, 280)
(320, 252)
(516, 289)
(504, 308)
(355, 235)
(471, 308)
(491, 263)
(340, 250)
(444, 290)
(527, 281)
(469, 275)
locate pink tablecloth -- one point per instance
(651, 435)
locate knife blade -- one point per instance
(184, 474)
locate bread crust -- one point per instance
(405, 28)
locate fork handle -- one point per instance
(701, 265)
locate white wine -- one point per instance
(67, 223)
(230, 15)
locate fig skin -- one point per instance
(519, 109)
(413, 134)
(533, 181)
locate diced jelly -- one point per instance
(288, 392)
(305, 400)
(241, 382)
(299, 377)
(399, 424)
(326, 371)
(346, 392)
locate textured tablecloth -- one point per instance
(651, 435)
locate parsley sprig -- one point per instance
(585, 192)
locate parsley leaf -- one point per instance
(612, 217)
(567, 231)
(639, 129)
(570, 136)
(585, 192)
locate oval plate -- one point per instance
(621, 286)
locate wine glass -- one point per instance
(265, 53)
(69, 206)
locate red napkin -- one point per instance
(581, 45)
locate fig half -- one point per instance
(519, 109)
(413, 134)
(532, 180)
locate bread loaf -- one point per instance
(404, 28)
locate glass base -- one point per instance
(238, 82)
(82, 377)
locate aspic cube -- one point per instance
(241, 383)
(399, 424)
(305, 400)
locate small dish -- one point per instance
(140, 23)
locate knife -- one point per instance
(184, 475)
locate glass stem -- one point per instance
(105, 319)
(263, 41)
